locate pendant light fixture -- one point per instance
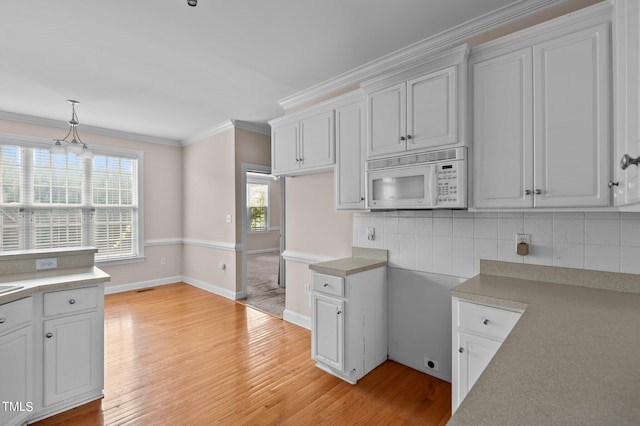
(75, 145)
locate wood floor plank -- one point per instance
(178, 355)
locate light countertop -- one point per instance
(572, 358)
(363, 259)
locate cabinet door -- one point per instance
(503, 131)
(16, 376)
(386, 114)
(627, 105)
(473, 355)
(317, 141)
(284, 148)
(73, 356)
(572, 129)
(327, 332)
(350, 159)
(432, 118)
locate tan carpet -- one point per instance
(263, 291)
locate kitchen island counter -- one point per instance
(572, 358)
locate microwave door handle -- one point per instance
(433, 185)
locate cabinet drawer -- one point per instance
(66, 301)
(328, 284)
(486, 320)
(15, 313)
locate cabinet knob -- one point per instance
(538, 191)
(72, 301)
(611, 184)
(339, 312)
(402, 138)
(361, 198)
(325, 285)
(527, 192)
(485, 321)
(461, 350)
(627, 160)
(49, 335)
(3, 320)
(409, 136)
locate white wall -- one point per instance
(453, 242)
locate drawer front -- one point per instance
(15, 313)
(486, 320)
(328, 284)
(74, 300)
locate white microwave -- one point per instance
(430, 180)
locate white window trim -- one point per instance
(36, 142)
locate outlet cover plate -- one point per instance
(48, 263)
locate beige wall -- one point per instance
(312, 226)
(162, 186)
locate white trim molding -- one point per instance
(266, 250)
(297, 319)
(221, 245)
(421, 50)
(263, 129)
(163, 242)
(304, 257)
(215, 289)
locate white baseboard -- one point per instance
(297, 319)
(212, 288)
(119, 288)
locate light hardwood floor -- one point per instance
(177, 355)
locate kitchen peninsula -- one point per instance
(51, 332)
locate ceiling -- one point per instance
(163, 69)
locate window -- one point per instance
(258, 205)
(60, 200)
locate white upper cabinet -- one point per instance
(349, 178)
(303, 145)
(541, 115)
(626, 181)
(418, 109)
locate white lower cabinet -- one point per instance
(478, 333)
(349, 323)
(16, 362)
(73, 346)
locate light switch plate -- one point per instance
(48, 263)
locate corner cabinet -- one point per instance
(423, 111)
(349, 323)
(478, 333)
(16, 361)
(302, 145)
(541, 115)
(626, 181)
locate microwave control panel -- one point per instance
(450, 180)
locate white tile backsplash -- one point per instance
(453, 242)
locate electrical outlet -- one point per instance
(431, 364)
(49, 263)
(163, 260)
(523, 238)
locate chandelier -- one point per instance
(75, 145)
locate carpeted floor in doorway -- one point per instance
(263, 291)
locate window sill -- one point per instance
(138, 259)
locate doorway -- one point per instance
(262, 264)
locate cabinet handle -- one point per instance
(538, 191)
(325, 285)
(402, 138)
(49, 335)
(409, 136)
(461, 350)
(611, 184)
(72, 301)
(3, 320)
(527, 192)
(361, 198)
(339, 312)
(485, 321)
(627, 160)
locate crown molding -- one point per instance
(420, 50)
(30, 119)
(263, 129)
